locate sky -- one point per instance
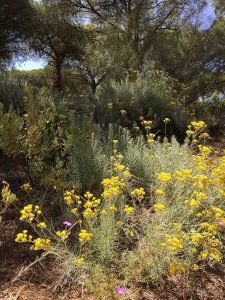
(30, 64)
(208, 16)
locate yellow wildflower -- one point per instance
(138, 193)
(41, 244)
(159, 207)
(129, 210)
(80, 261)
(113, 208)
(42, 225)
(164, 177)
(23, 237)
(84, 236)
(115, 142)
(26, 187)
(166, 120)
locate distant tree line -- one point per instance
(100, 40)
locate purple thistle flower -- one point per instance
(120, 290)
(67, 223)
(221, 223)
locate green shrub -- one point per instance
(212, 111)
(152, 97)
(11, 93)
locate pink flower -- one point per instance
(120, 290)
(67, 223)
(221, 223)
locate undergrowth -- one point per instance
(159, 210)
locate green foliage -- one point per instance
(219, 6)
(48, 38)
(15, 18)
(11, 93)
(39, 137)
(88, 162)
(212, 110)
(152, 97)
(10, 128)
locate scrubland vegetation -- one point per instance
(111, 157)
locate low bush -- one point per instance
(152, 96)
(11, 93)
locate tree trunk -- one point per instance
(93, 87)
(58, 76)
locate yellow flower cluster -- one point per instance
(7, 196)
(172, 243)
(200, 181)
(84, 236)
(204, 150)
(26, 187)
(164, 177)
(23, 237)
(30, 212)
(150, 138)
(113, 208)
(70, 197)
(201, 162)
(37, 244)
(207, 178)
(147, 123)
(218, 172)
(41, 244)
(119, 224)
(198, 125)
(129, 210)
(123, 112)
(159, 192)
(208, 237)
(113, 187)
(80, 261)
(118, 166)
(195, 131)
(197, 201)
(166, 120)
(138, 193)
(159, 207)
(104, 212)
(91, 205)
(204, 135)
(42, 225)
(129, 232)
(183, 175)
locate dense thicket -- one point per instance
(91, 47)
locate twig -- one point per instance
(25, 269)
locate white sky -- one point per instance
(30, 64)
